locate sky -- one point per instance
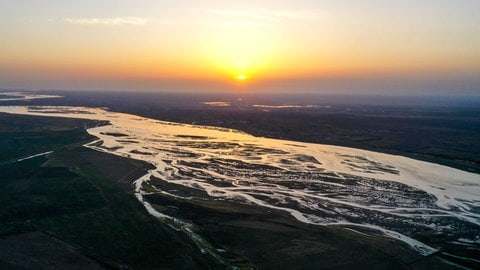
(341, 46)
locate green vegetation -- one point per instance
(82, 197)
(21, 136)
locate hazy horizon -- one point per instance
(329, 47)
(213, 134)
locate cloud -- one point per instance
(116, 21)
(239, 14)
(257, 17)
(263, 14)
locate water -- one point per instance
(317, 184)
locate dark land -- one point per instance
(443, 130)
(75, 208)
(77, 205)
(77, 200)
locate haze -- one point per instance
(367, 46)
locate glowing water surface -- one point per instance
(317, 184)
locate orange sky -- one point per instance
(102, 44)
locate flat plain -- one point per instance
(83, 200)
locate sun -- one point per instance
(241, 77)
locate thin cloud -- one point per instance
(236, 23)
(299, 15)
(116, 21)
(239, 14)
(263, 15)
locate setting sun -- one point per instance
(230, 129)
(241, 77)
(207, 45)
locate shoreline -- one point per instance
(109, 141)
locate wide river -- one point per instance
(317, 184)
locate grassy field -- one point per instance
(79, 203)
(82, 198)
